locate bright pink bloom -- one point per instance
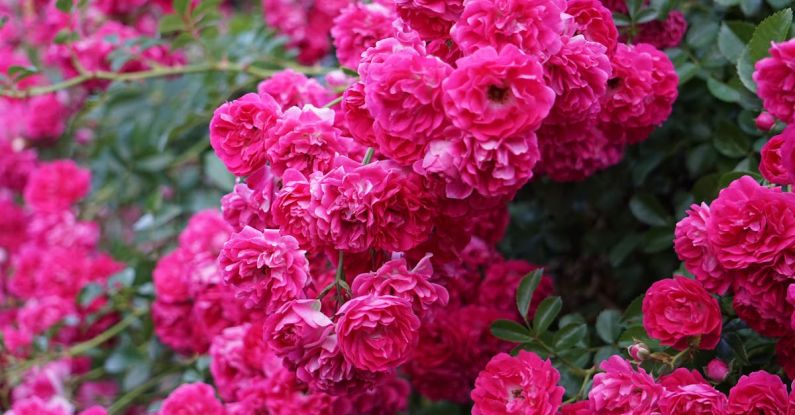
(389, 396)
(494, 95)
(37, 406)
(578, 74)
(357, 118)
(774, 77)
(57, 185)
(759, 392)
(764, 121)
(523, 384)
(205, 234)
(716, 370)
(578, 408)
(168, 276)
(357, 28)
(494, 168)
(47, 117)
(787, 152)
(750, 224)
(173, 326)
(265, 268)
(663, 34)
(326, 369)
(431, 18)
(228, 366)
(679, 311)
(622, 390)
(296, 327)
(775, 161)
(693, 248)
(760, 300)
(192, 399)
(534, 26)
(394, 278)
(377, 333)
(305, 139)
(249, 203)
(292, 89)
(239, 129)
(291, 208)
(94, 410)
(594, 21)
(643, 88)
(688, 393)
(16, 165)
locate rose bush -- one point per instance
(217, 207)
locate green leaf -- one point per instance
(728, 3)
(730, 141)
(722, 91)
(524, 294)
(604, 353)
(633, 6)
(621, 19)
(216, 172)
(731, 176)
(181, 7)
(546, 313)
(645, 16)
(648, 210)
(774, 28)
(608, 325)
(64, 5)
(511, 331)
(686, 72)
(703, 35)
(658, 239)
(750, 7)
(170, 23)
(89, 293)
(745, 71)
(18, 72)
(569, 336)
(621, 250)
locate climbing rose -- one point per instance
(573, 151)
(238, 131)
(192, 399)
(787, 152)
(758, 393)
(688, 393)
(431, 18)
(594, 21)
(663, 34)
(717, 370)
(621, 390)
(693, 248)
(678, 310)
(521, 384)
(377, 333)
(533, 26)
(357, 28)
(775, 161)
(266, 269)
(751, 224)
(496, 95)
(764, 121)
(295, 327)
(293, 89)
(56, 185)
(775, 81)
(760, 300)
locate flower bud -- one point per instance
(765, 121)
(717, 370)
(638, 352)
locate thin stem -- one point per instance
(123, 402)
(368, 156)
(334, 102)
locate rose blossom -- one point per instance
(774, 163)
(687, 393)
(357, 28)
(249, 203)
(38, 406)
(291, 209)
(394, 278)
(295, 327)
(643, 88)
(403, 93)
(431, 18)
(357, 118)
(594, 21)
(764, 121)
(621, 390)
(760, 300)
(750, 224)
(192, 399)
(676, 311)
(57, 185)
(663, 34)
(377, 333)
(759, 392)
(238, 131)
(693, 248)
(326, 369)
(787, 152)
(520, 384)
(573, 151)
(717, 370)
(534, 26)
(265, 268)
(293, 89)
(578, 74)
(304, 139)
(494, 95)
(774, 77)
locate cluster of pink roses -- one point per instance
(38, 295)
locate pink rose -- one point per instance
(295, 327)
(47, 117)
(357, 118)
(291, 209)
(663, 34)
(643, 87)
(594, 21)
(688, 393)
(227, 365)
(169, 279)
(38, 406)
(578, 74)
(774, 78)
(764, 121)
(693, 248)
(494, 95)
(431, 18)
(377, 333)
(679, 312)
(403, 93)
(16, 165)
(760, 300)
(573, 151)
(239, 129)
(205, 234)
(772, 166)
(293, 89)
(534, 26)
(305, 139)
(249, 204)
(621, 390)
(578, 408)
(717, 370)
(390, 396)
(265, 268)
(394, 278)
(326, 369)
(357, 28)
(57, 185)
(520, 384)
(750, 224)
(787, 152)
(192, 399)
(759, 392)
